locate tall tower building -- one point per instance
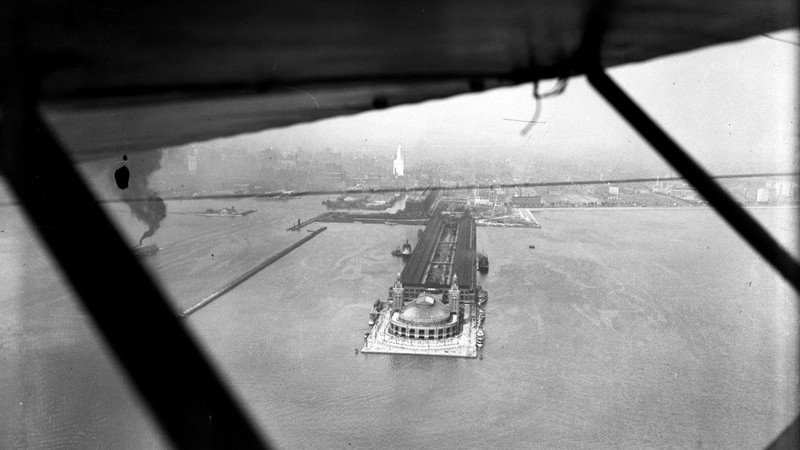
(454, 295)
(397, 294)
(399, 165)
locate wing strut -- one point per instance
(733, 213)
(176, 381)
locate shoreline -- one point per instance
(649, 208)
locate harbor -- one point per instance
(435, 306)
(559, 316)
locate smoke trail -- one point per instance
(144, 202)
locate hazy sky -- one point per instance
(733, 106)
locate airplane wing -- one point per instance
(130, 76)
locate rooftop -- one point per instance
(462, 263)
(425, 310)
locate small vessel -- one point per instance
(371, 321)
(480, 337)
(225, 212)
(531, 246)
(403, 251)
(145, 250)
(483, 262)
(366, 334)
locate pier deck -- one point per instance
(380, 341)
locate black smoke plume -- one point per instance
(144, 202)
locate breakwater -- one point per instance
(242, 278)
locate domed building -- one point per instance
(426, 317)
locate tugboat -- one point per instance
(404, 251)
(483, 297)
(483, 263)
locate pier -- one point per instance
(241, 279)
(375, 218)
(380, 341)
(300, 225)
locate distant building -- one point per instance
(398, 166)
(762, 196)
(684, 193)
(781, 190)
(526, 201)
(424, 203)
(191, 159)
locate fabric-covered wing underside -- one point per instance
(149, 74)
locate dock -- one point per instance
(375, 218)
(241, 279)
(380, 341)
(300, 225)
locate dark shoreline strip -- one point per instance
(442, 188)
(241, 279)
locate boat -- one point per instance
(145, 250)
(531, 246)
(483, 297)
(225, 212)
(483, 262)
(366, 334)
(403, 251)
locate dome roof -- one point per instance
(425, 310)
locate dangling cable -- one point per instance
(560, 87)
(536, 112)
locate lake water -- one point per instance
(621, 329)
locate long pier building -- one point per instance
(445, 251)
(431, 308)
